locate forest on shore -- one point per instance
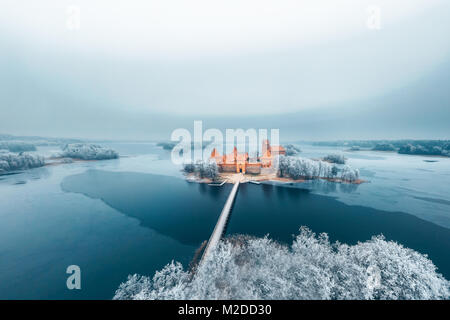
(417, 147)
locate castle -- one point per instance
(240, 162)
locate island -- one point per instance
(412, 147)
(272, 165)
(10, 161)
(87, 151)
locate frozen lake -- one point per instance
(136, 213)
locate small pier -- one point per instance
(217, 184)
(219, 229)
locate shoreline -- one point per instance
(231, 178)
(58, 160)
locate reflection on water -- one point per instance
(348, 187)
(22, 177)
(321, 186)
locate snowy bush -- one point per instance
(311, 268)
(349, 174)
(19, 161)
(335, 158)
(86, 151)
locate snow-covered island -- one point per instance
(413, 147)
(87, 151)
(10, 161)
(298, 168)
(17, 161)
(287, 169)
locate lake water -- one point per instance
(137, 213)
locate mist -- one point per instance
(324, 78)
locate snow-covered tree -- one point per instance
(349, 174)
(204, 169)
(86, 151)
(291, 150)
(335, 158)
(211, 170)
(4, 166)
(207, 169)
(188, 167)
(19, 161)
(296, 168)
(334, 171)
(242, 267)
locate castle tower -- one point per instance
(216, 156)
(266, 149)
(214, 153)
(266, 157)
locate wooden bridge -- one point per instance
(221, 224)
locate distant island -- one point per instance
(169, 145)
(87, 151)
(414, 147)
(18, 153)
(335, 158)
(17, 146)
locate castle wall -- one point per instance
(253, 169)
(240, 162)
(228, 167)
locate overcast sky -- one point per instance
(173, 60)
